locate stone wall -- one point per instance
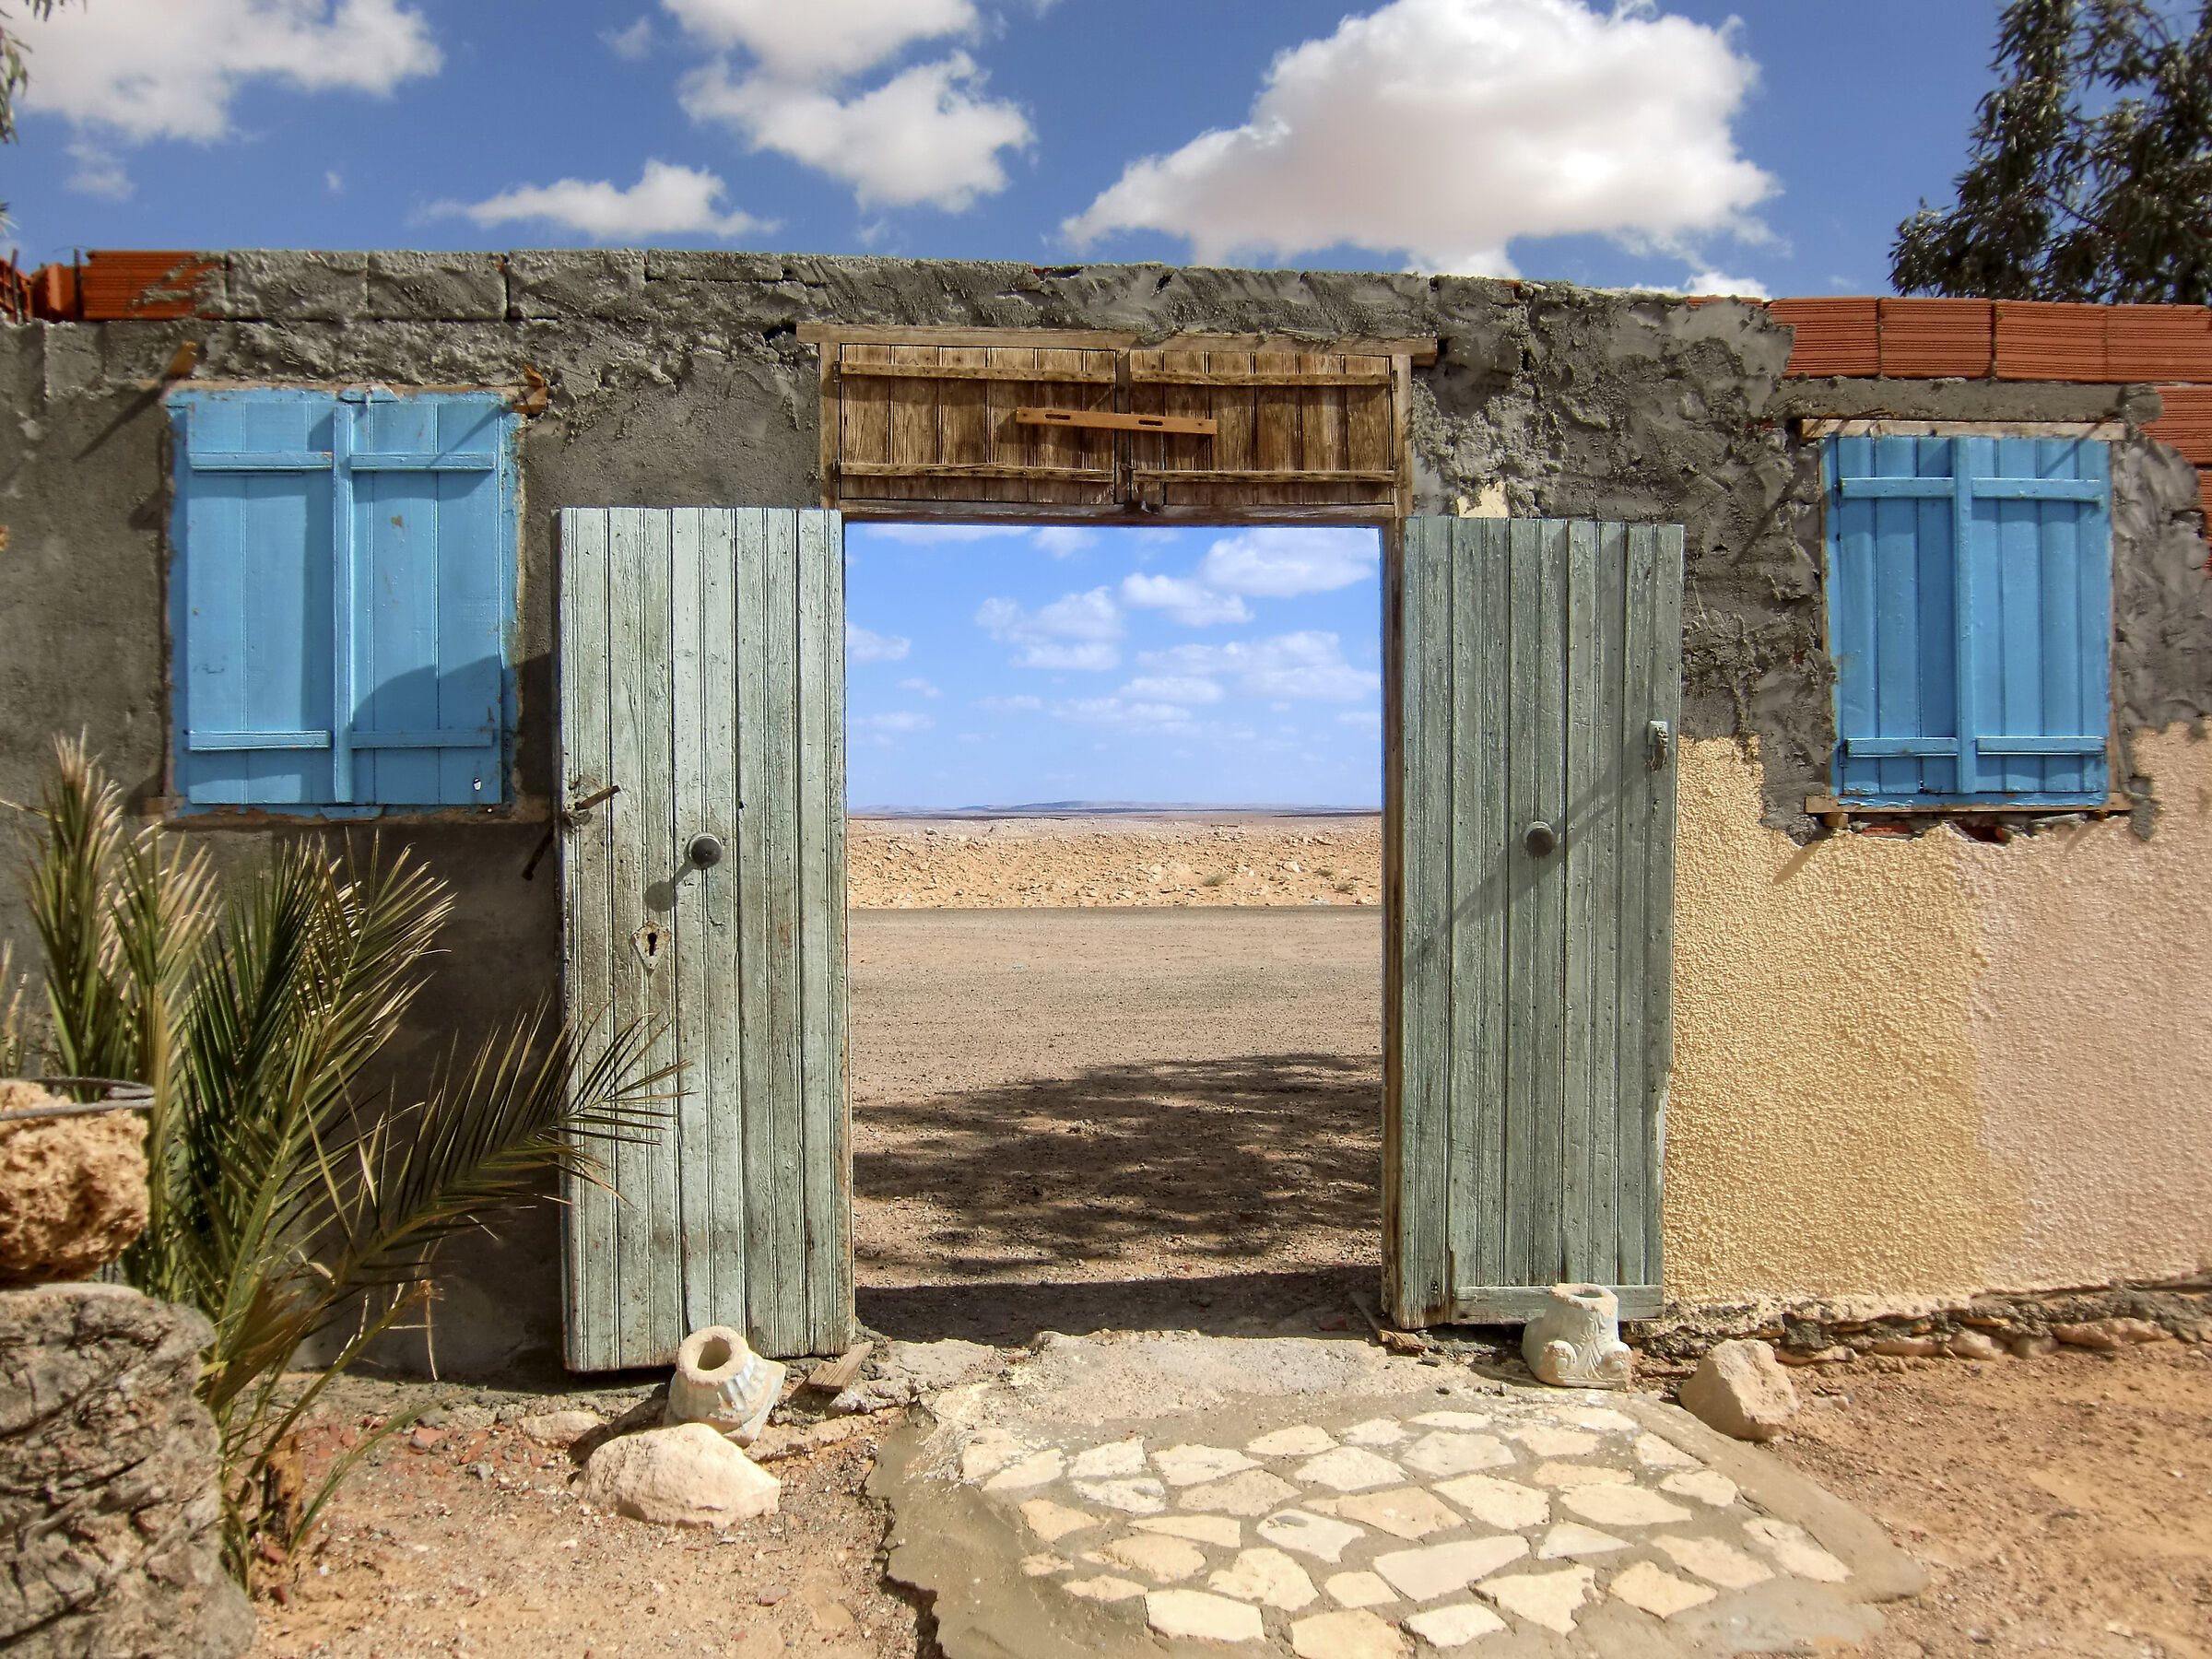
(108, 1513)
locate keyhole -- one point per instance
(647, 942)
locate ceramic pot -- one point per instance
(1576, 1343)
(723, 1383)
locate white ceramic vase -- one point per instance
(1576, 1343)
(721, 1382)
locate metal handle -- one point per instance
(1540, 840)
(706, 851)
(1662, 740)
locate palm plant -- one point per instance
(287, 1202)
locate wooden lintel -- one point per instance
(1233, 376)
(1080, 339)
(1165, 475)
(975, 469)
(1102, 376)
(1106, 421)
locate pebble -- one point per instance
(1714, 1561)
(1741, 1389)
(1440, 1453)
(1267, 1576)
(1406, 1512)
(1360, 1590)
(1456, 1626)
(1504, 1504)
(1546, 1598)
(1657, 1591)
(1353, 1634)
(1204, 1616)
(1350, 1469)
(1318, 1535)
(1440, 1569)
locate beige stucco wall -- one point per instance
(1921, 1068)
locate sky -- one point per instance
(1765, 147)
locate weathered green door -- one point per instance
(702, 665)
(1531, 755)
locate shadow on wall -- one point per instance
(1261, 1162)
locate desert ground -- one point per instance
(1077, 1107)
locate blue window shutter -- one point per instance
(1969, 616)
(249, 598)
(433, 493)
(340, 599)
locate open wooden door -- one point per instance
(702, 665)
(1530, 753)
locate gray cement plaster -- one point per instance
(1785, 1566)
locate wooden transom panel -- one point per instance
(1063, 428)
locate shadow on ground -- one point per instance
(1318, 1302)
(1261, 1163)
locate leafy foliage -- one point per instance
(286, 1204)
(15, 75)
(2090, 177)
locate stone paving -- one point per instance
(1487, 1521)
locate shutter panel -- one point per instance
(1970, 618)
(433, 551)
(1291, 427)
(251, 599)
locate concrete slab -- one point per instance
(1787, 1566)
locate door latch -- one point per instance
(1662, 740)
(567, 818)
(1540, 840)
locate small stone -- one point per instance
(1504, 1504)
(1657, 1591)
(1707, 1486)
(1653, 1453)
(1042, 1566)
(1710, 1559)
(1317, 1536)
(1350, 1469)
(1973, 1345)
(1141, 1496)
(992, 1450)
(1602, 1419)
(1302, 1441)
(1101, 1463)
(1193, 1466)
(1440, 1569)
(1254, 1492)
(1559, 1476)
(1405, 1512)
(1051, 1521)
(1461, 1420)
(1570, 1539)
(1353, 1634)
(1266, 1576)
(1375, 1431)
(1164, 1558)
(1203, 1616)
(1456, 1626)
(1035, 1470)
(1200, 1529)
(560, 1430)
(1548, 1439)
(688, 1475)
(1440, 1453)
(1622, 1506)
(1360, 1590)
(2033, 1348)
(1741, 1389)
(425, 1440)
(1907, 1348)
(1794, 1551)
(1546, 1598)
(1104, 1588)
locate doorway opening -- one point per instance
(1114, 855)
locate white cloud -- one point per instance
(1360, 720)
(821, 40)
(1714, 282)
(1172, 689)
(170, 68)
(942, 532)
(632, 43)
(1307, 665)
(666, 200)
(1193, 603)
(1446, 129)
(1065, 541)
(900, 720)
(1074, 631)
(925, 137)
(98, 172)
(334, 182)
(861, 646)
(1021, 704)
(920, 687)
(1279, 564)
(1159, 717)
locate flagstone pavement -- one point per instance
(1187, 1494)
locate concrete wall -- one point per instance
(676, 379)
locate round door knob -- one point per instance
(1540, 840)
(706, 851)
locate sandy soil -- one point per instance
(990, 863)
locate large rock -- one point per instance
(108, 1513)
(1741, 1389)
(688, 1475)
(72, 1188)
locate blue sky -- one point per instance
(1769, 147)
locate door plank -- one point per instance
(588, 1215)
(1611, 846)
(1585, 820)
(1644, 660)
